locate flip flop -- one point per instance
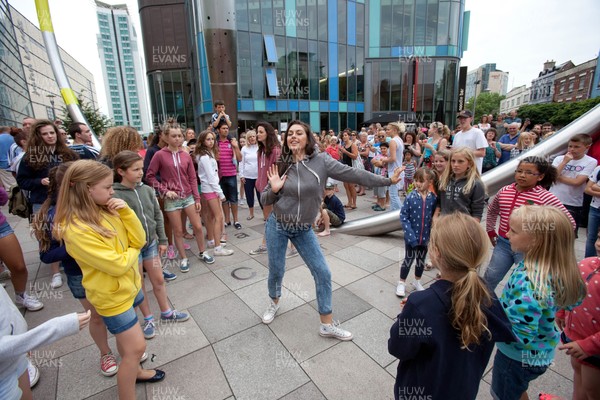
(250, 217)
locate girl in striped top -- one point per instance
(532, 176)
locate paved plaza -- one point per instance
(224, 351)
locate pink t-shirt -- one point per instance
(226, 165)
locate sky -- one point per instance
(517, 35)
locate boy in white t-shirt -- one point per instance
(470, 137)
(573, 169)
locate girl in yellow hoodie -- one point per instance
(105, 236)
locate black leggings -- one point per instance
(249, 189)
(411, 253)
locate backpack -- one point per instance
(18, 203)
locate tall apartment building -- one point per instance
(490, 79)
(122, 67)
(27, 84)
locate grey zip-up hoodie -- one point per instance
(299, 201)
(142, 200)
(454, 200)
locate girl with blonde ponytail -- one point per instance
(445, 335)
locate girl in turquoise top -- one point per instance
(546, 280)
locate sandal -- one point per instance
(249, 217)
(377, 207)
(188, 236)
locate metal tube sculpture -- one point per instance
(588, 123)
(68, 95)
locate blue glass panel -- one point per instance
(333, 73)
(271, 75)
(442, 51)
(290, 9)
(374, 24)
(360, 107)
(282, 105)
(332, 23)
(343, 106)
(315, 121)
(239, 104)
(351, 106)
(247, 105)
(270, 48)
(259, 105)
(208, 107)
(351, 23)
(334, 106)
(271, 105)
(323, 106)
(304, 105)
(294, 105)
(396, 51)
(314, 105)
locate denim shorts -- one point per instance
(122, 322)
(510, 378)
(230, 190)
(5, 230)
(74, 283)
(179, 204)
(149, 251)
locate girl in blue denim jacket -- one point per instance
(546, 280)
(416, 216)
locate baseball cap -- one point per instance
(329, 185)
(465, 114)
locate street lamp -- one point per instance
(477, 82)
(51, 97)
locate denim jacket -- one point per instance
(416, 217)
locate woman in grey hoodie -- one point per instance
(295, 189)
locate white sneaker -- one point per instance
(334, 330)
(222, 252)
(34, 373)
(401, 289)
(418, 286)
(56, 281)
(5, 275)
(269, 315)
(30, 302)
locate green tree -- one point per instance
(487, 103)
(559, 114)
(98, 122)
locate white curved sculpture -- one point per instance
(588, 123)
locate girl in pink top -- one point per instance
(179, 187)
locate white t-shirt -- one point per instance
(593, 177)
(474, 139)
(567, 194)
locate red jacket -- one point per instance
(176, 172)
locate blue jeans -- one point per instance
(592, 232)
(502, 259)
(395, 202)
(304, 239)
(510, 378)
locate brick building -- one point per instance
(574, 84)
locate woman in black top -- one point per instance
(349, 153)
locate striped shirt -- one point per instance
(226, 165)
(509, 198)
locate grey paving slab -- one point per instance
(257, 365)
(562, 364)
(198, 375)
(391, 274)
(394, 254)
(343, 272)
(250, 271)
(298, 330)
(392, 369)
(345, 305)
(56, 303)
(173, 340)
(364, 259)
(301, 282)
(334, 372)
(379, 293)
(224, 316)
(371, 331)
(113, 393)
(379, 245)
(46, 386)
(306, 392)
(197, 267)
(256, 296)
(189, 292)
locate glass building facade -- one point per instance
(15, 102)
(333, 63)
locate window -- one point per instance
(571, 86)
(270, 48)
(272, 81)
(581, 84)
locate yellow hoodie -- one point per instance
(111, 277)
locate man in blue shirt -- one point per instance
(82, 138)
(332, 211)
(508, 142)
(512, 117)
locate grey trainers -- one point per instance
(261, 250)
(269, 315)
(333, 330)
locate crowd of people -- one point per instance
(109, 217)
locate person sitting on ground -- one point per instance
(332, 211)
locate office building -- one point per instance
(490, 80)
(122, 67)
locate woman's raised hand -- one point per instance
(275, 180)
